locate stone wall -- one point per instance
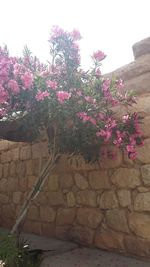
(104, 205)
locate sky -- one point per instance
(112, 26)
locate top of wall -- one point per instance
(136, 74)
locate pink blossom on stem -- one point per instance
(62, 96)
(52, 84)
(76, 35)
(27, 79)
(40, 96)
(14, 87)
(98, 55)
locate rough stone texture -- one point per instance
(53, 183)
(55, 199)
(82, 234)
(137, 246)
(146, 174)
(86, 198)
(99, 180)
(47, 214)
(145, 126)
(71, 199)
(109, 240)
(81, 181)
(140, 224)
(117, 220)
(89, 217)
(25, 152)
(108, 200)
(17, 197)
(65, 216)
(142, 202)
(141, 48)
(126, 178)
(66, 181)
(124, 197)
(143, 152)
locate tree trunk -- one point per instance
(50, 164)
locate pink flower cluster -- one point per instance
(40, 96)
(85, 117)
(52, 84)
(62, 96)
(98, 56)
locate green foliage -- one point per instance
(15, 253)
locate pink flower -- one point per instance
(120, 84)
(98, 55)
(27, 79)
(3, 95)
(56, 32)
(52, 84)
(13, 85)
(42, 95)
(130, 148)
(106, 134)
(133, 155)
(62, 96)
(125, 118)
(76, 35)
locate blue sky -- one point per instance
(110, 25)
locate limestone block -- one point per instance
(86, 198)
(47, 214)
(145, 170)
(8, 211)
(112, 163)
(109, 240)
(71, 199)
(117, 220)
(142, 202)
(12, 184)
(99, 180)
(3, 185)
(145, 126)
(141, 48)
(4, 145)
(66, 181)
(65, 216)
(137, 246)
(1, 170)
(82, 235)
(78, 163)
(140, 224)
(20, 168)
(25, 152)
(17, 196)
(55, 198)
(89, 217)
(126, 178)
(4, 199)
(124, 197)
(6, 170)
(53, 182)
(108, 200)
(144, 152)
(12, 168)
(15, 154)
(81, 181)
(6, 156)
(33, 213)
